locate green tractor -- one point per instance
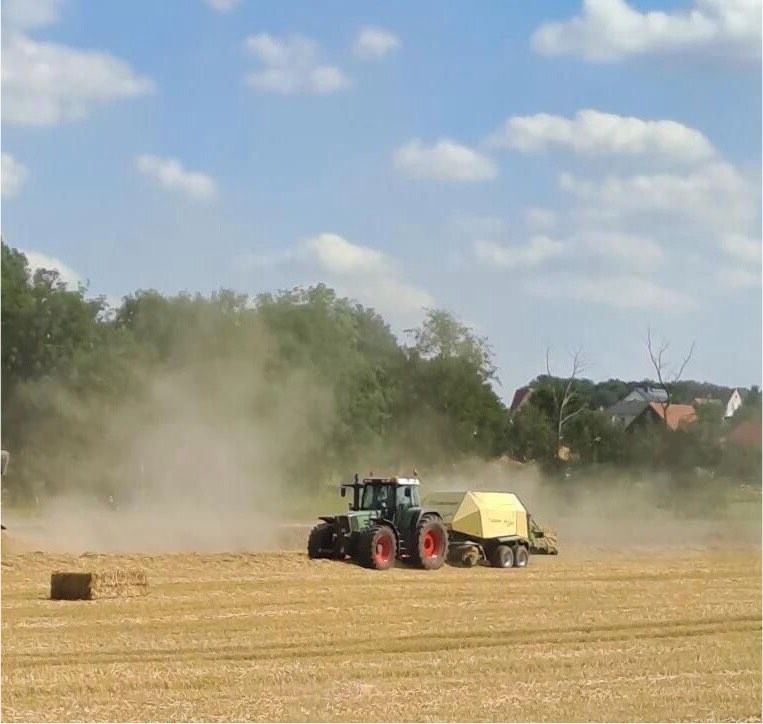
(385, 522)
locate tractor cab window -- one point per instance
(408, 495)
(377, 496)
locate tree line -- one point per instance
(356, 394)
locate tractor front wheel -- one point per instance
(431, 543)
(377, 548)
(319, 541)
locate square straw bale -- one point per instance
(86, 586)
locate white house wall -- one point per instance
(734, 403)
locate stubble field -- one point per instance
(590, 635)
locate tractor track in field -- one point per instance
(432, 643)
(274, 636)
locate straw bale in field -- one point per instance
(113, 583)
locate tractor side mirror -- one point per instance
(407, 492)
(343, 492)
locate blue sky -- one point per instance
(555, 174)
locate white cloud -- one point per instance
(28, 14)
(360, 272)
(170, 173)
(222, 6)
(390, 296)
(592, 132)
(610, 30)
(742, 248)
(45, 84)
(715, 195)
(71, 278)
(267, 259)
(38, 260)
(538, 219)
(615, 246)
(623, 291)
(638, 251)
(338, 256)
(475, 226)
(373, 43)
(538, 250)
(745, 253)
(14, 175)
(291, 66)
(367, 274)
(738, 278)
(444, 161)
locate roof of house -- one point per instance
(521, 396)
(747, 433)
(648, 394)
(675, 415)
(627, 410)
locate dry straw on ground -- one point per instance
(639, 635)
(113, 583)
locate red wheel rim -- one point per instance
(383, 551)
(432, 544)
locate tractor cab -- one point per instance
(387, 495)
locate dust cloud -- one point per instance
(609, 510)
(200, 459)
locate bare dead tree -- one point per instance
(565, 395)
(665, 379)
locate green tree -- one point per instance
(442, 336)
(530, 435)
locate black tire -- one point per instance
(377, 548)
(319, 541)
(339, 548)
(502, 557)
(521, 557)
(470, 558)
(430, 543)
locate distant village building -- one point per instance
(627, 413)
(675, 415)
(634, 413)
(646, 394)
(521, 398)
(732, 404)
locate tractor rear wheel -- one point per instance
(377, 548)
(319, 541)
(502, 557)
(521, 557)
(430, 545)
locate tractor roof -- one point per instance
(392, 481)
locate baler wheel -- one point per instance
(470, 558)
(377, 548)
(430, 543)
(521, 557)
(319, 541)
(502, 557)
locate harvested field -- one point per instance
(636, 635)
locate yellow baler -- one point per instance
(490, 526)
